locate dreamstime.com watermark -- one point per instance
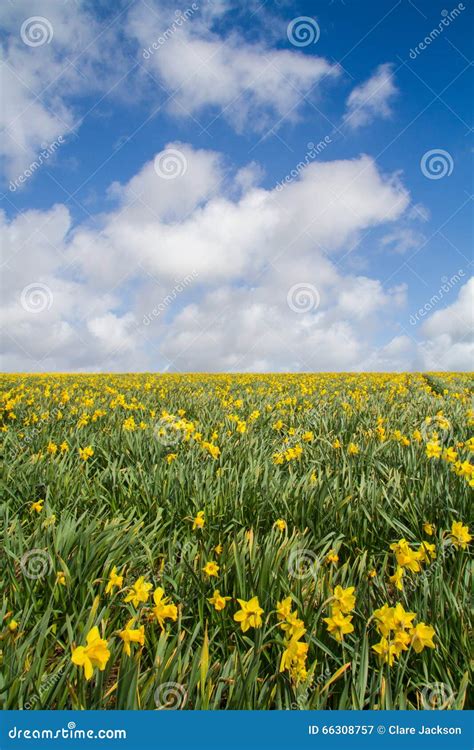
(445, 288)
(67, 733)
(163, 305)
(180, 18)
(170, 696)
(303, 31)
(36, 297)
(170, 164)
(436, 164)
(44, 687)
(36, 563)
(303, 298)
(447, 18)
(448, 551)
(36, 31)
(42, 157)
(301, 703)
(314, 149)
(303, 564)
(437, 696)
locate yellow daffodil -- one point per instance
(293, 625)
(460, 535)
(332, 557)
(218, 601)
(397, 577)
(280, 524)
(211, 569)
(94, 654)
(339, 625)
(61, 578)
(130, 635)
(294, 655)
(283, 608)
(449, 455)
(164, 608)
(422, 637)
(249, 614)
(114, 581)
(401, 640)
(199, 521)
(37, 506)
(86, 453)
(406, 557)
(400, 618)
(344, 600)
(139, 592)
(433, 449)
(386, 651)
(427, 552)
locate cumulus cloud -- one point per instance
(449, 334)
(199, 271)
(249, 84)
(372, 98)
(57, 56)
(54, 53)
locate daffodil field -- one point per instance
(236, 541)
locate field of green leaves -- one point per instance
(236, 541)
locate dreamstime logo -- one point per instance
(448, 284)
(434, 568)
(36, 564)
(437, 696)
(303, 31)
(170, 164)
(47, 151)
(436, 164)
(180, 552)
(301, 703)
(46, 685)
(179, 287)
(447, 17)
(303, 298)
(436, 429)
(314, 149)
(36, 31)
(171, 696)
(167, 432)
(179, 19)
(302, 564)
(36, 297)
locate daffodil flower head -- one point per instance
(94, 654)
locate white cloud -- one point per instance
(241, 252)
(250, 84)
(402, 240)
(114, 333)
(40, 82)
(449, 334)
(372, 98)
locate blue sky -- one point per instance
(109, 264)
